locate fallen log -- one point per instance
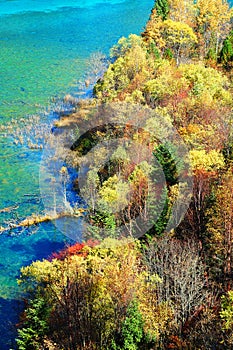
(37, 219)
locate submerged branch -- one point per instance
(37, 219)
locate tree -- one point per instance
(124, 45)
(114, 193)
(208, 161)
(162, 9)
(131, 68)
(207, 84)
(176, 36)
(35, 328)
(226, 312)
(85, 297)
(212, 24)
(179, 266)
(167, 83)
(132, 330)
(168, 164)
(206, 166)
(226, 315)
(182, 11)
(226, 54)
(103, 298)
(91, 190)
(220, 230)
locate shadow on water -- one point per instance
(45, 247)
(25, 249)
(9, 311)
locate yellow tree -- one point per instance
(131, 69)
(206, 166)
(173, 35)
(86, 295)
(220, 227)
(212, 24)
(179, 37)
(182, 11)
(114, 193)
(82, 301)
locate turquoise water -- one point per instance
(44, 48)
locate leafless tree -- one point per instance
(182, 274)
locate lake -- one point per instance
(44, 50)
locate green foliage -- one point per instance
(162, 8)
(105, 220)
(168, 54)
(168, 163)
(36, 325)
(154, 50)
(226, 312)
(170, 171)
(132, 331)
(161, 223)
(211, 55)
(226, 54)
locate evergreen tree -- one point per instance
(226, 54)
(35, 326)
(132, 336)
(162, 8)
(168, 164)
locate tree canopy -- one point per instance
(172, 288)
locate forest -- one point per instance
(154, 269)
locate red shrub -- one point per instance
(76, 249)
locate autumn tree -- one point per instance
(212, 25)
(76, 290)
(196, 97)
(226, 315)
(131, 68)
(179, 37)
(183, 11)
(104, 298)
(173, 35)
(206, 167)
(125, 294)
(83, 301)
(219, 229)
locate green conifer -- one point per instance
(162, 8)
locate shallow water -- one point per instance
(43, 51)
